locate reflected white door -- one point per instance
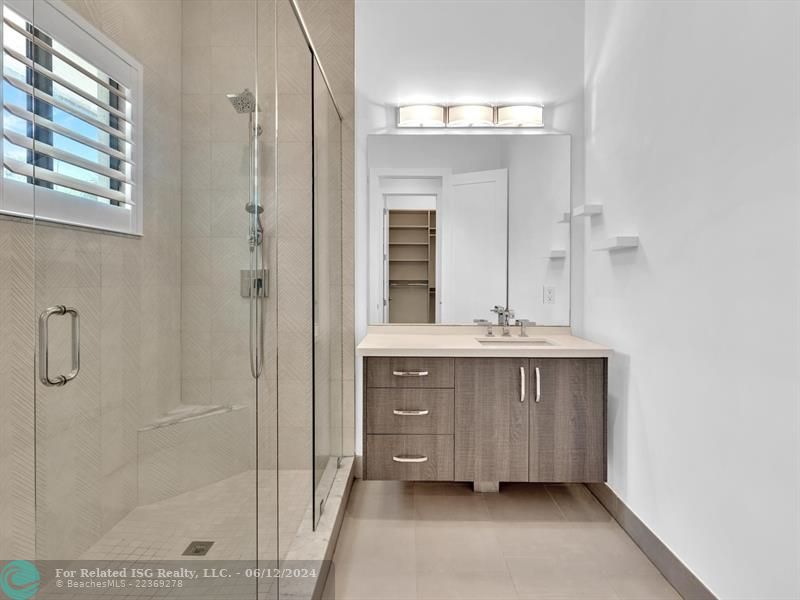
(474, 228)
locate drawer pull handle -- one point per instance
(538, 385)
(407, 458)
(411, 413)
(522, 384)
(410, 373)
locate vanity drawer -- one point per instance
(407, 372)
(410, 411)
(410, 457)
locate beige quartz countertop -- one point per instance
(463, 340)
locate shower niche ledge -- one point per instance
(192, 446)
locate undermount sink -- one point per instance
(504, 341)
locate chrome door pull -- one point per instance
(538, 385)
(410, 373)
(409, 458)
(44, 320)
(411, 413)
(522, 384)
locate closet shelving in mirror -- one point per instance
(411, 263)
(587, 210)
(565, 218)
(557, 254)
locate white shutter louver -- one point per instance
(68, 125)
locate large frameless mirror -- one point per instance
(460, 224)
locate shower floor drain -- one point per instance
(198, 549)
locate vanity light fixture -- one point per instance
(470, 115)
(519, 116)
(421, 115)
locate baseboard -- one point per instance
(671, 567)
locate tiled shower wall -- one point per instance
(219, 58)
(222, 52)
(128, 292)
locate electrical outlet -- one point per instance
(548, 295)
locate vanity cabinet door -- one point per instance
(568, 419)
(491, 419)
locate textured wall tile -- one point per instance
(234, 23)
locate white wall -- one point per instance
(693, 142)
(457, 51)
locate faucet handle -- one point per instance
(489, 332)
(523, 323)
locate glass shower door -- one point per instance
(327, 250)
(150, 171)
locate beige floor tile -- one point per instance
(357, 584)
(566, 541)
(439, 540)
(434, 488)
(475, 585)
(551, 578)
(376, 546)
(524, 503)
(374, 488)
(577, 504)
(457, 546)
(370, 504)
(643, 586)
(441, 508)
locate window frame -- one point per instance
(26, 200)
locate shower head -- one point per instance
(253, 209)
(244, 102)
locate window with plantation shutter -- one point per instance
(71, 140)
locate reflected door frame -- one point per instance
(377, 245)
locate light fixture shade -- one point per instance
(420, 115)
(470, 115)
(520, 116)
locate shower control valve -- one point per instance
(254, 283)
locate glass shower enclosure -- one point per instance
(171, 294)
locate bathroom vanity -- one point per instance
(451, 404)
(486, 404)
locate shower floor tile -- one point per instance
(222, 512)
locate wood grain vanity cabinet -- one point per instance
(491, 428)
(568, 422)
(485, 420)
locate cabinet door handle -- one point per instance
(411, 413)
(522, 384)
(410, 458)
(538, 385)
(410, 373)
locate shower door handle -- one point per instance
(44, 320)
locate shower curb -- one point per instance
(320, 544)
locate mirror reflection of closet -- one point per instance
(411, 259)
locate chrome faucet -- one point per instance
(504, 317)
